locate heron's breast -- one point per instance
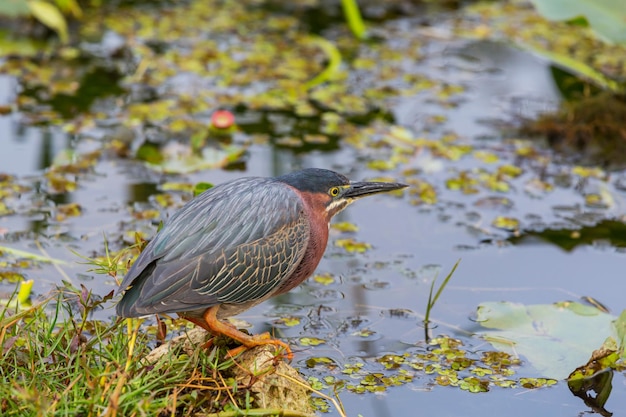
(316, 245)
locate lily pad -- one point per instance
(351, 245)
(553, 338)
(606, 17)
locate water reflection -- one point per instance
(141, 192)
(608, 233)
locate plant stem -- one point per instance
(334, 61)
(432, 300)
(353, 17)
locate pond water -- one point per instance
(376, 301)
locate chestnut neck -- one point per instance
(315, 210)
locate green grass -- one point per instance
(432, 298)
(56, 364)
(57, 360)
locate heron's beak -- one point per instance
(362, 189)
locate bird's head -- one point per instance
(331, 192)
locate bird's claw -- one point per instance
(259, 340)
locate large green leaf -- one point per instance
(606, 17)
(554, 338)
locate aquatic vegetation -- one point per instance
(152, 85)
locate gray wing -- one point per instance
(234, 243)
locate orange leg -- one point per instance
(215, 326)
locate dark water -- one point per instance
(410, 244)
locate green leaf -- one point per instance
(592, 381)
(311, 341)
(324, 279)
(432, 300)
(70, 6)
(201, 187)
(150, 153)
(553, 338)
(620, 328)
(23, 293)
(351, 245)
(506, 223)
(345, 227)
(50, 16)
(606, 17)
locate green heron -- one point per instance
(237, 245)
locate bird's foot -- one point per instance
(217, 327)
(259, 340)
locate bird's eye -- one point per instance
(334, 192)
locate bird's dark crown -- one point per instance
(314, 180)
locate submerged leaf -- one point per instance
(11, 276)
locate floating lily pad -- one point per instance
(506, 223)
(606, 17)
(351, 245)
(324, 279)
(345, 227)
(288, 321)
(311, 341)
(554, 338)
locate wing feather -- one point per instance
(229, 245)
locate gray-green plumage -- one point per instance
(232, 245)
(237, 245)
